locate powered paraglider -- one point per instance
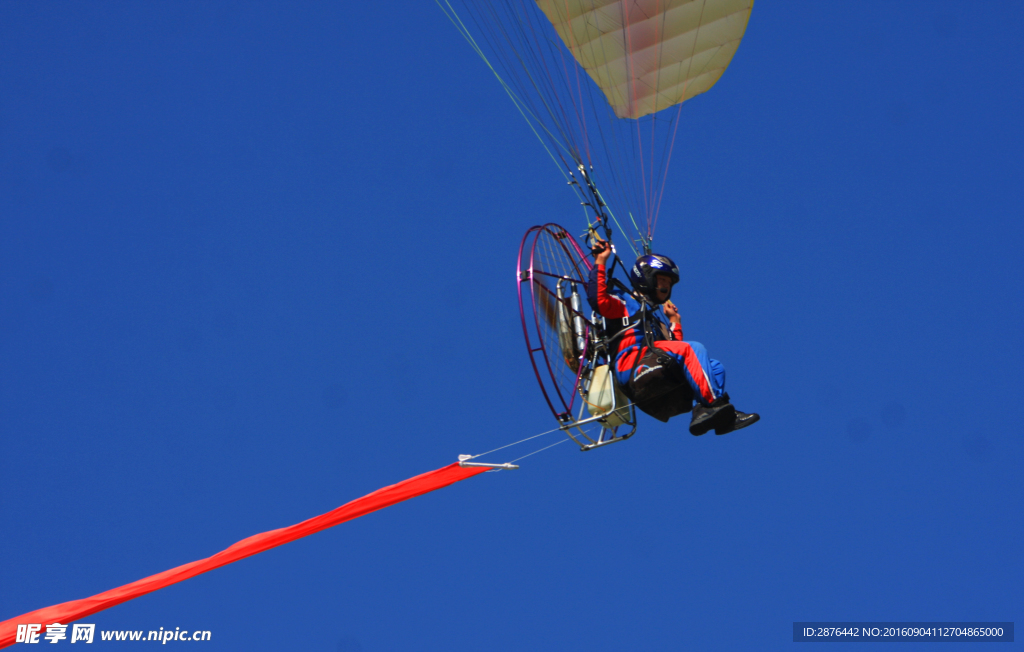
(602, 84)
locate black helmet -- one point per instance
(644, 270)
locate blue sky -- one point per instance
(256, 261)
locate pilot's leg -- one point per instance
(706, 376)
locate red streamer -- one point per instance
(68, 612)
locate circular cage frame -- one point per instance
(549, 253)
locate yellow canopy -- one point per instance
(647, 55)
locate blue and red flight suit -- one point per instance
(705, 376)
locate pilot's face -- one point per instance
(663, 288)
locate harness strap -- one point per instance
(643, 319)
(664, 359)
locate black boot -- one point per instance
(742, 420)
(718, 414)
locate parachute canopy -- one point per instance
(648, 55)
(603, 83)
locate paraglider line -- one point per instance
(653, 217)
(627, 33)
(453, 17)
(559, 118)
(542, 65)
(578, 101)
(516, 443)
(540, 450)
(664, 179)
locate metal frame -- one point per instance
(593, 349)
(464, 463)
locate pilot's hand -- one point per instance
(671, 312)
(602, 251)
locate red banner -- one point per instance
(68, 612)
